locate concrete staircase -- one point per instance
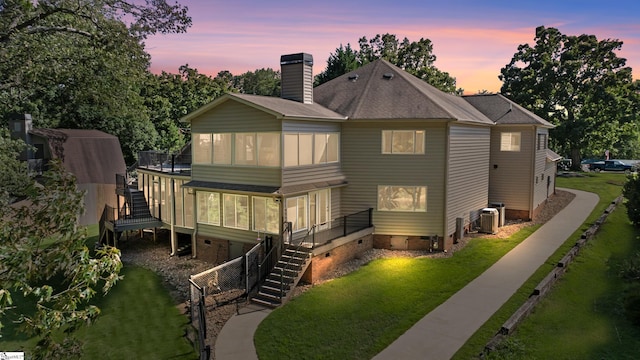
(278, 286)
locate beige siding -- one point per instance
(310, 126)
(511, 173)
(237, 174)
(468, 179)
(544, 177)
(336, 200)
(223, 233)
(366, 167)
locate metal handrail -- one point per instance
(289, 263)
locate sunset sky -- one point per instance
(472, 39)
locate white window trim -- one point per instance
(235, 207)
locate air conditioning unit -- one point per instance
(489, 220)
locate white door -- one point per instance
(320, 209)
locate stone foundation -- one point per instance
(395, 242)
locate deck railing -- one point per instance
(340, 227)
(164, 162)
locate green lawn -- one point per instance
(138, 321)
(608, 187)
(360, 314)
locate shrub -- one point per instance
(632, 305)
(630, 268)
(631, 192)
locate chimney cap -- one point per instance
(298, 58)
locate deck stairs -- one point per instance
(279, 284)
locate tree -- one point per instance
(580, 85)
(414, 57)
(77, 64)
(169, 97)
(265, 82)
(44, 261)
(13, 176)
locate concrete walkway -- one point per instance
(444, 330)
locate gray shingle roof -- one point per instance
(384, 91)
(504, 111)
(281, 108)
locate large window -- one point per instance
(402, 198)
(307, 149)
(236, 211)
(253, 149)
(202, 148)
(297, 212)
(208, 208)
(266, 215)
(403, 141)
(510, 141)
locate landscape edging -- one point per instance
(545, 285)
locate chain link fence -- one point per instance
(222, 285)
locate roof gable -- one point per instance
(503, 111)
(278, 107)
(94, 157)
(380, 90)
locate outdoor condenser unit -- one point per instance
(489, 220)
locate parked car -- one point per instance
(611, 165)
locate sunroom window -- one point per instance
(202, 148)
(297, 212)
(208, 207)
(266, 215)
(236, 211)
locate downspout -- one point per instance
(195, 226)
(445, 224)
(532, 167)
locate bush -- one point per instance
(510, 348)
(632, 305)
(631, 192)
(630, 268)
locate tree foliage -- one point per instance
(78, 64)
(631, 192)
(265, 82)
(414, 57)
(580, 85)
(44, 261)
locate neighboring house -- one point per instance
(523, 168)
(374, 158)
(94, 157)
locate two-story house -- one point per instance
(382, 156)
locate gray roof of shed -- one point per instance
(504, 111)
(380, 90)
(280, 108)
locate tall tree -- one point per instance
(169, 97)
(582, 87)
(414, 57)
(78, 64)
(45, 266)
(265, 82)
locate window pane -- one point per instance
(510, 141)
(403, 142)
(259, 214)
(188, 208)
(242, 212)
(291, 150)
(268, 149)
(296, 213)
(229, 211)
(202, 148)
(320, 148)
(202, 206)
(177, 190)
(305, 153)
(266, 215)
(419, 148)
(222, 149)
(333, 147)
(402, 198)
(213, 210)
(245, 149)
(386, 141)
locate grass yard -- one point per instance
(575, 303)
(360, 314)
(138, 321)
(356, 316)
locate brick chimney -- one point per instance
(297, 77)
